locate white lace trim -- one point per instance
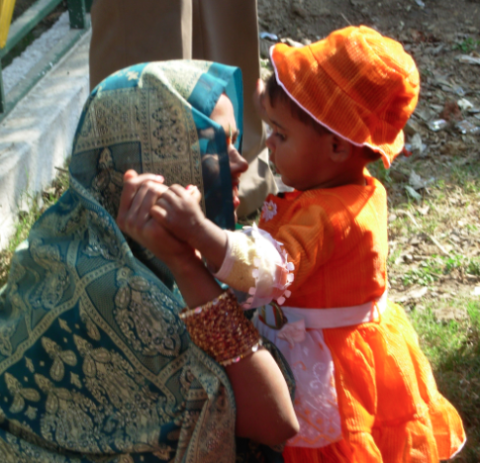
(316, 403)
(270, 269)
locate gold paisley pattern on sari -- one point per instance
(150, 331)
(108, 183)
(50, 291)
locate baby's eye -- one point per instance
(279, 135)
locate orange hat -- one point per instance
(357, 83)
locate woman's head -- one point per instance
(78, 288)
(161, 118)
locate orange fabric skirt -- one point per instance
(390, 408)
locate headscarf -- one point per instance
(95, 365)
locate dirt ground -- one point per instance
(435, 32)
(440, 20)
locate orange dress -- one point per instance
(390, 408)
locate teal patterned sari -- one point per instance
(95, 365)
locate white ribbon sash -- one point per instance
(299, 320)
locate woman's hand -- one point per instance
(139, 194)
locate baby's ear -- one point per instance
(341, 149)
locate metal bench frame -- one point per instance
(79, 23)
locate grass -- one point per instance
(434, 245)
(433, 269)
(468, 45)
(453, 348)
(26, 219)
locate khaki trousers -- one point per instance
(126, 32)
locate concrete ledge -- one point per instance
(37, 135)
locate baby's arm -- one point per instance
(270, 268)
(256, 264)
(248, 260)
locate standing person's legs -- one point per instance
(126, 32)
(227, 31)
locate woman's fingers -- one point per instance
(144, 203)
(126, 198)
(130, 174)
(145, 197)
(134, 190)
(148, 195)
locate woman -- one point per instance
(95, 364)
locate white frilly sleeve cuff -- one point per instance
(256, 264)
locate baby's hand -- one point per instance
(179, 211)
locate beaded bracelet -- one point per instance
(220, 328)
(189, 312)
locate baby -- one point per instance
(365, 391)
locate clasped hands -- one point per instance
(163, 219)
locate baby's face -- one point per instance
(301, 154)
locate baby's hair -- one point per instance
(277, 93)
